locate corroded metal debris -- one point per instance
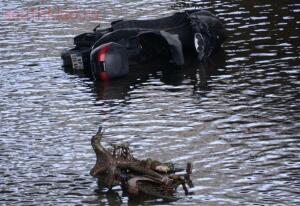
(117, 166)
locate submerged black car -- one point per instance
(107, 53)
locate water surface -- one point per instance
(236, 117)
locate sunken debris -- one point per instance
(116, 166)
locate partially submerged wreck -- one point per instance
(107, 53)
(116, 166)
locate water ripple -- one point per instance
(236, 116)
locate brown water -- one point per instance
(235, 117)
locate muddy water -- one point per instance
(236, 117)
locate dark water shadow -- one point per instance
(117, 197)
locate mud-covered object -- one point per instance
(169, 39)
(117, 166)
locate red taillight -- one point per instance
(103, 76)
(101, 53)
(99, 64)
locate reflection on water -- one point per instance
(236, 117)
